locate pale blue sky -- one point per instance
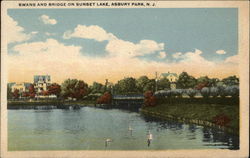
(181, 30)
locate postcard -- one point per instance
(124, 79)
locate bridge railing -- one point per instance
(139, 96)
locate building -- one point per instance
(41, 83)
(172, 77)
(22, 87)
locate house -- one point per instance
(22, 87)
(172, 77)
(41, 83)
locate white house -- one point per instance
(172, 77)
(41, 82)
(22, 87)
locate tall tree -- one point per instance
(97, 88)
(32, 92)
(16, 94)
(126, 85)
(9, 93)
(231, 81)
(141, 82)
(150, 86)
(186, 81)
(163, 84)
(54, 89)
(74, 88)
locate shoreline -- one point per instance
(200, 114)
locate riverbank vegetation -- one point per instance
(221, 115)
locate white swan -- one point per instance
(108, 140)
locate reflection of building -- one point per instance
(22, 87)
(172, 77)
(41, 82)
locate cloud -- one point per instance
(195, 58)
(221, 52)
(49, 34)
(68, 61)
(89, 32)
(128, 49)
(15, 32)
(177, 55)
(162, 55)
(115, 46)
(232, 59)
(47, 20)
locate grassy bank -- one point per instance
(204, 112)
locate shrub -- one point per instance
(191, 92)
(214, 91)
(149, 99)
(176, 92)
(106, 98)
(233, 91)
(221, 120)
(205, 92)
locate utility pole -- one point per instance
(156, 80)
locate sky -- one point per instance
(98, 44)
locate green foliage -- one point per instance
(186, 81)
(150, 86)
(141, 83)
(97, 88)
(126, 86)
(9, 93)
(74, 88)
(208, 82)
(231, 81)
(163, 84)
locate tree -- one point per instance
(214, 91)
(203, 80)
(25, 94)
(106, 98)
(74, 88)
(150, 86)
(163, 84)
(186, 81)
(205, 92)
(16, 94)
(9, 93)
(191, 92)
(126, 85)
(231, 81)
(149, 99)
(97, 88)
(32, 92)
(54, 89)
(141, 82)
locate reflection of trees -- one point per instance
(164, 124)
(214, 135)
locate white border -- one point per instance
(243, 26)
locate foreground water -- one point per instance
(88, 128)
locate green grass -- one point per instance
(204, 112)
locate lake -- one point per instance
(88, 128)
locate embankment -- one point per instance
(199, 111)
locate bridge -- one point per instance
(128, 101)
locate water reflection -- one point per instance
(89, 128)
(220, 138)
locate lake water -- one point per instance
(88, 128)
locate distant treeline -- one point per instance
(78, 89)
